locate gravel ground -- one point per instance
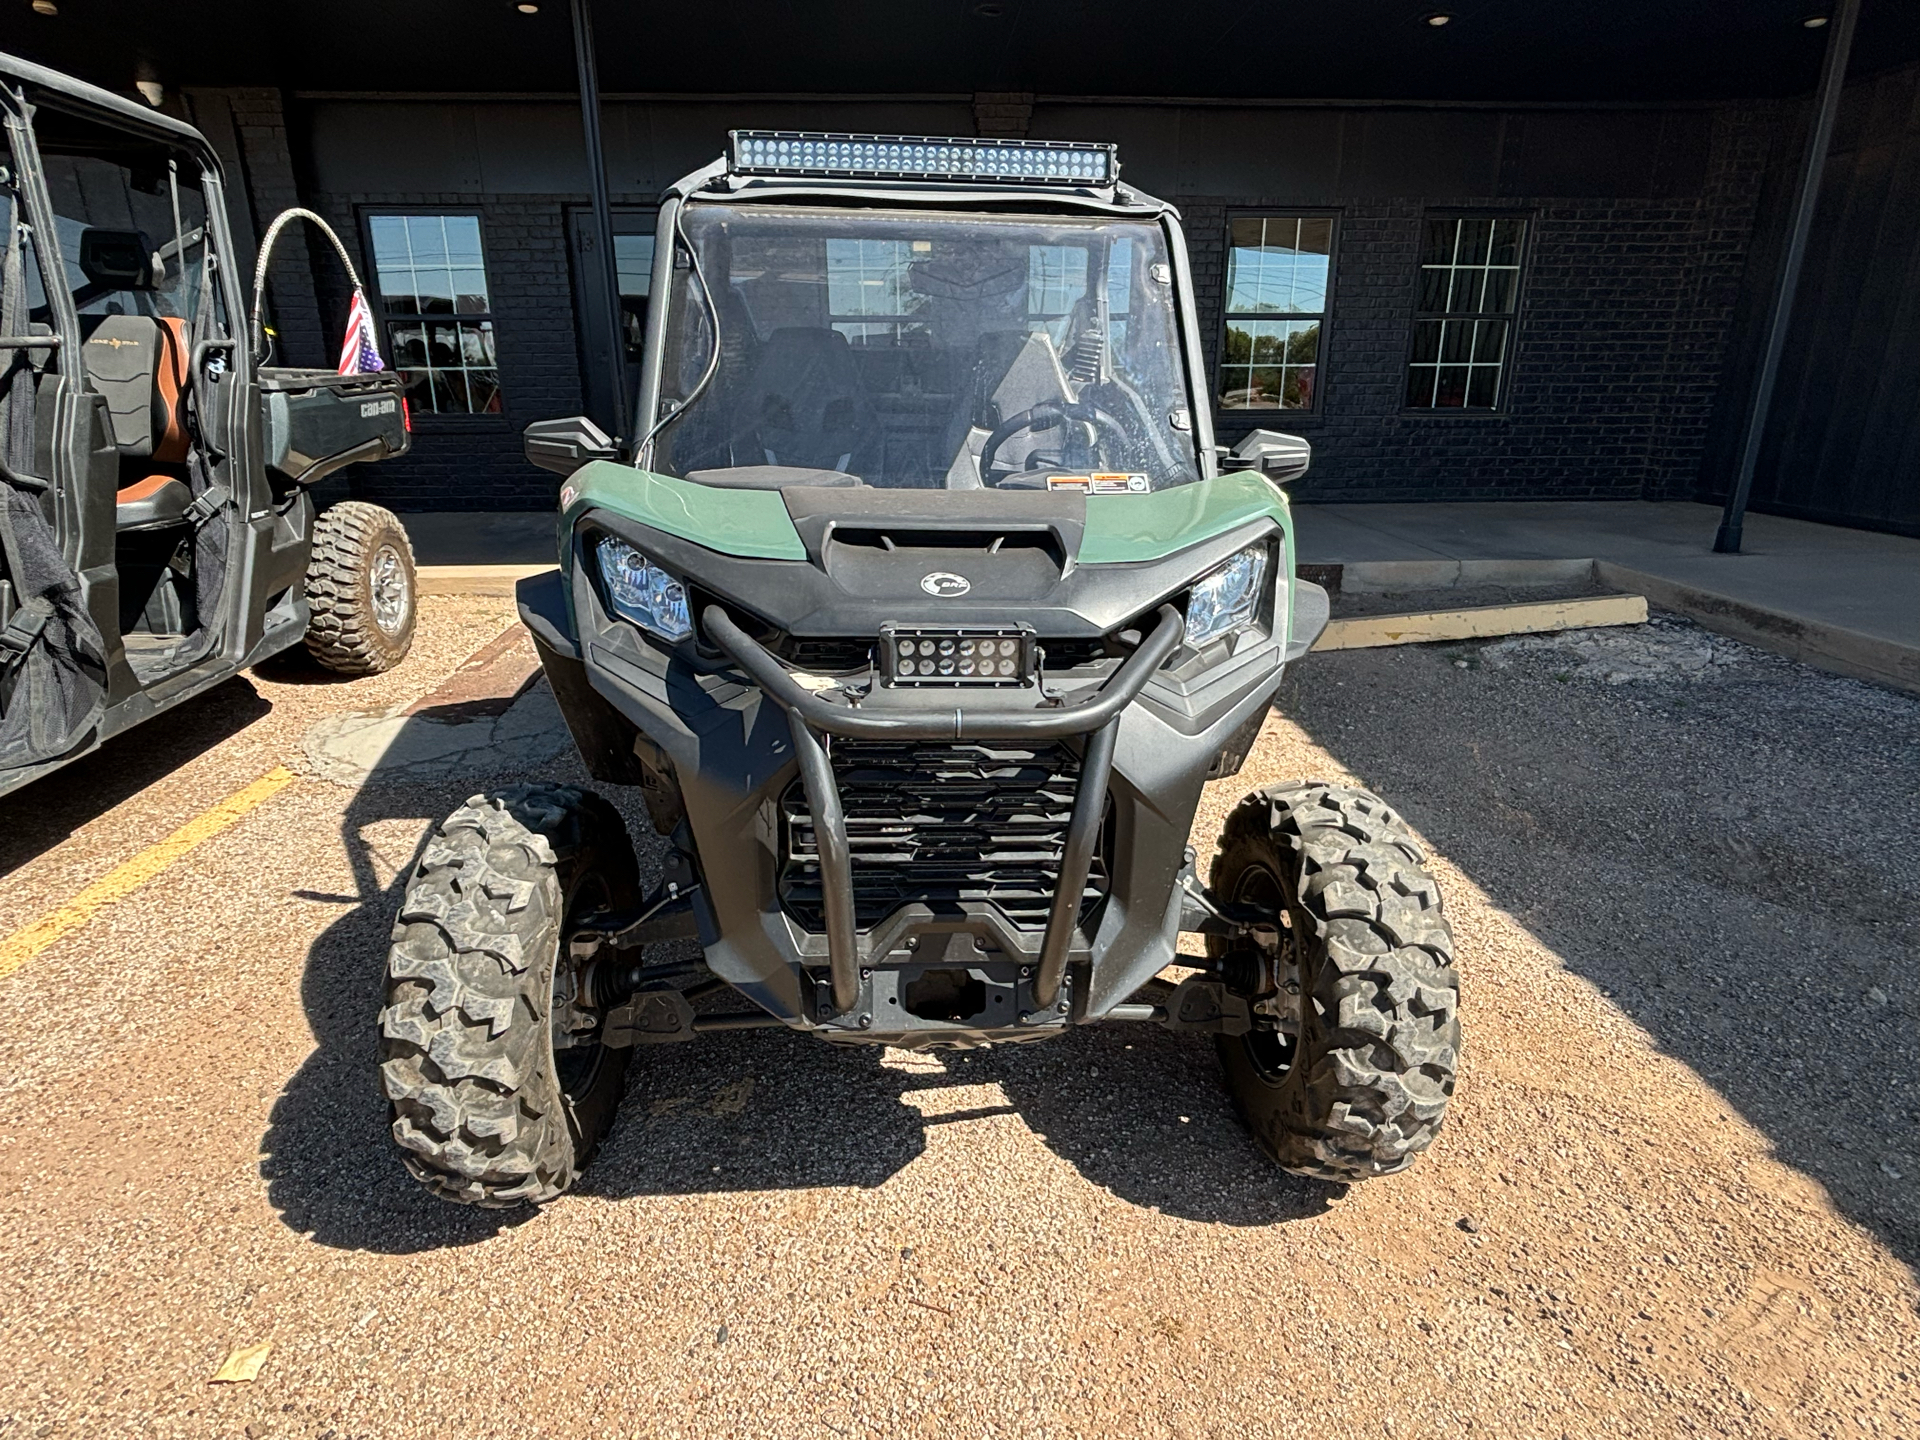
(1676, 1194)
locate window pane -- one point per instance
(476, 344)
(1420, 387)
(1501, 285)
(1490, 342)
(470, 292)
(1457, 341)
(1438, 247)
(1482, 388)
(409, 345)
(389, 234)
(483, 389)
(1303, 344)
(1465, 297)
(633, 261)
(461, 236)
(1451, 392)
(1263, 391)
(1433, 287)
(1506, 242)
(427, 240)
(1316, 235)
(450, 392)
(1426, 341)
(1474, 235)
(1297, 393)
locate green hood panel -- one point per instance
(1147, 527)
(755, 523)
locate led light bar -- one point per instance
(937, 655)
(921, 157)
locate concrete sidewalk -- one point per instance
(1846, 600)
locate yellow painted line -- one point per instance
(121, 881)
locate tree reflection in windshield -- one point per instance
(926, 351)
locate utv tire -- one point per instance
(360, 589)
(1364, 1086)
(486, 1110)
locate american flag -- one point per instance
(359, 352)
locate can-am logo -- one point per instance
(945, 584)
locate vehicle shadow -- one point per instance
(1728, 859)
(1137, 1112)
(51, 809)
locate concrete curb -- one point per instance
(495, 580)
(1829, 647)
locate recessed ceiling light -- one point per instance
(45, 7)
(1814, 22)
(528, 9)
(990, 12)
(1438, 20)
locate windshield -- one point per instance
(925, 351)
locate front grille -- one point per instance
(943, 825)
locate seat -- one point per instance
(154, 503)
(139, 362)
(804, 405)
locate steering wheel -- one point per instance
(1049, 415)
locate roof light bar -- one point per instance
(921, 157)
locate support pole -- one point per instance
(605, 274)
(1833, 76)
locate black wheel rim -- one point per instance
(1270, 1052)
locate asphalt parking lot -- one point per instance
(1677, 1193)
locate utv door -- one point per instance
(139, 299)
(53, 657)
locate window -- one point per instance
(1463, 331)
(433, 288)
(1276, 300)
(633, 269)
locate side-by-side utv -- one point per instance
(919, 615)
(157, 530)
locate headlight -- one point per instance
(640, 591)
(1227, 599)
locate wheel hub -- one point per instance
(387, 586)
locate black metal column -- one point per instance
(605, 278)
(1833, 76)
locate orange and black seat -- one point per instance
(139, 362)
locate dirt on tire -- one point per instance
(1364, 1087)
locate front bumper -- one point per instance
(1146, 737)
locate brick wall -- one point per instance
(1616, 355)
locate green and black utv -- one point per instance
(919, 614)
(157, 530)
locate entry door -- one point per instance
(633, 266)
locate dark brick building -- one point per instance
(1633, 166)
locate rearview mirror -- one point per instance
(119, 259)
(563, 446)
(1280, 458)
